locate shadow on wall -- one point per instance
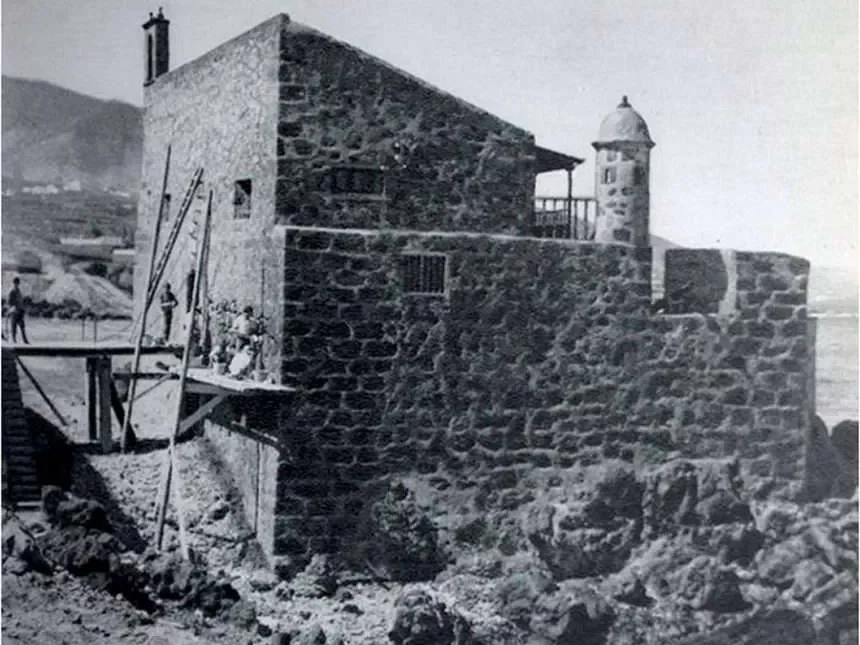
(61, 463)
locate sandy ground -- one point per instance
(49, 613)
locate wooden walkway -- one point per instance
(86, 349)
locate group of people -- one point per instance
(244, 335)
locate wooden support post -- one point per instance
(92, 399)
(105, 417)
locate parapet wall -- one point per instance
(541, 354)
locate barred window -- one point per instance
(242, 199)
(424, 274)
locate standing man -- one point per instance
(16, 311)
(168, 304)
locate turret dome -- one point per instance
(624, 125)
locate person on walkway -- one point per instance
(168, 304)
(16, 311)
(243, 328)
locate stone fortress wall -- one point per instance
(536, 354)
(542, 354)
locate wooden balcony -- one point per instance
(569, 218)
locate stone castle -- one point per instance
(426, 320)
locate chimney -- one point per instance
(156, 47)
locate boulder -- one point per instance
(20, 551)
(592, 535)
(845, 441)
(693, 493)
(51, 498)
(82, 551)
(706, 584)
(578, 616)
(421, 619)
(317, 580)
(519, 592)
(85, 513)
(633, 592)
(827, 473)
(774, 627)
(400, 538)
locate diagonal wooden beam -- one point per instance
(199, 414)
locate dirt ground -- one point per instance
(61, 610)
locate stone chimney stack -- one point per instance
(156, 47)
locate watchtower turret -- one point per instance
(622, 176)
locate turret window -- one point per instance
(608, 176)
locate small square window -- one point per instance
(608, 176)
(627, 156)
(424, 274)
(611, 155)
(293, 92)
(242, 199)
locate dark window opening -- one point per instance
(627, 156)
(423, 274)
(242, 199)
(608, 176)
(189, 290)
(361, 181)
(638, 175)
(293, 92)
(291, 129)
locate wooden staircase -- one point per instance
(20, 472)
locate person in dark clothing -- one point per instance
(168, 304)
(16, 312)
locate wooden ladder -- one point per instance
(155, 273)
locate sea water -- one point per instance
(836, 367)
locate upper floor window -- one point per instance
(360, 181)
(638, 175)
(242, 199)
(611, 155)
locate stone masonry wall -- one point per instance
(541, 354)
(504, 373)
(740, 381)
(464, 169)
(219, 112)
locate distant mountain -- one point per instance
(55, 135)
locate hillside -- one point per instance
(51, 134)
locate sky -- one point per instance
(753, 103)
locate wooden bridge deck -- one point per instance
(86, 348)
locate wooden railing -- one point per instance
(565, 218)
